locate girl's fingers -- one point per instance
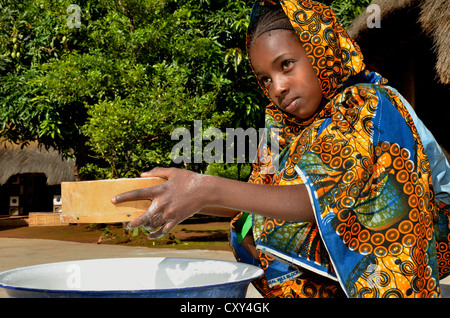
(162, 230)
(142, 220)
(151, 219)
(138, 194)
(145, 193)
(164, 173)
(160, 220)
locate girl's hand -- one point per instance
(185, 193)
(173, 201)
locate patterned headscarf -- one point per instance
(333, 54)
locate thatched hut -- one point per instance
(411, 48)
(30, 178)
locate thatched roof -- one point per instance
(34, 159)
(433, 17)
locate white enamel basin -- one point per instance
(131, 277)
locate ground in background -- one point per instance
(194, 233)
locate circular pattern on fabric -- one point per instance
(394, 238)
(395, 249)
(409, 232)
(392, 235)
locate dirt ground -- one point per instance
(195, 233)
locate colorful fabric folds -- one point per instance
(379, 231)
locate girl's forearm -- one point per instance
(226, 197)
(219, 211)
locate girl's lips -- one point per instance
(291, 105)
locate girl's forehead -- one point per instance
(276, 40)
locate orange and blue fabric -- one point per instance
(379, 231)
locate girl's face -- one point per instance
(283, 68)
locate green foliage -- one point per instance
(347, 10)
(178, 77)
(236, 171)
(38, 100)
(110, 92)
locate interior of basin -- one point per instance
(128, 274)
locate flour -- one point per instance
(195, 182)
(145, 219)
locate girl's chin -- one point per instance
(304, 116)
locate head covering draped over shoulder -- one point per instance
(362, 161)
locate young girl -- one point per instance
(346, 208)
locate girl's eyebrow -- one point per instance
(275, 61)
(280, 57)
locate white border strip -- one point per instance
(283, 258)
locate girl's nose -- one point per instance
(280, 88)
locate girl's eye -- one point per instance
(286, 64)
(265, 81)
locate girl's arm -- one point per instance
(187, 193)
(289, 203)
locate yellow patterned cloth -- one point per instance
(379, 231)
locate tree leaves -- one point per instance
(111, 91)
